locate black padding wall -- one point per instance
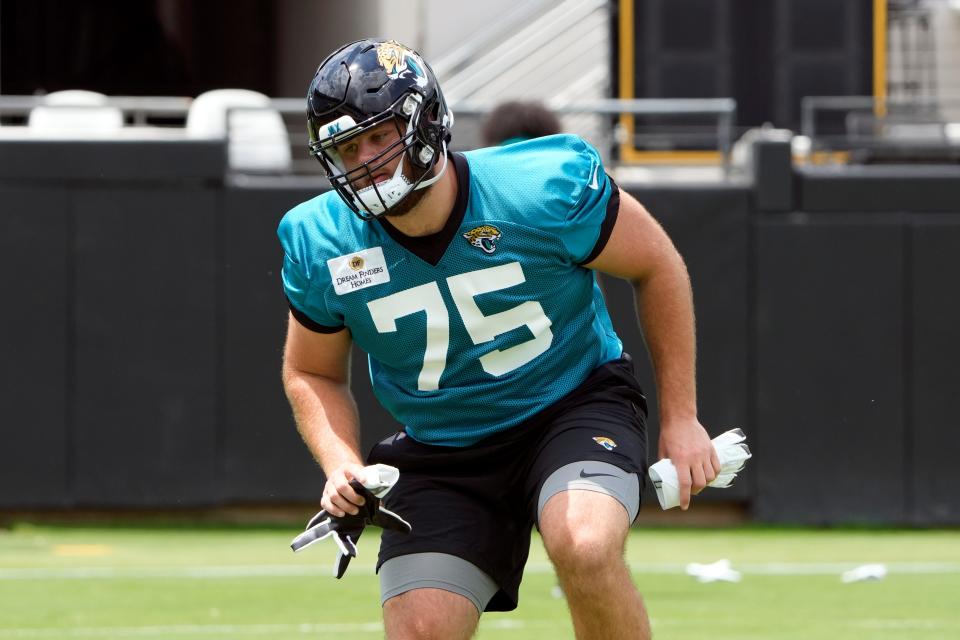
(263, 456)
(881, 188)
(34, 337)
(829, 366)
(146, 347)
(773, 175)
(934, 370)
(97, 160)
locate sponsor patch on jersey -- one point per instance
(605, 442)
(483, 237)
(358, 270)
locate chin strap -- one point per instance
(443, 169)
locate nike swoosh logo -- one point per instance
(593, 181)
(584, 474)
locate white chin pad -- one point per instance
(389, 192)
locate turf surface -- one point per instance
(241, 582)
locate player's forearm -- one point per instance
(326, 417)
(665, 309)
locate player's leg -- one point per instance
(584, 532)
(424, 614)
(433, 595)
(465, 552)
(586, 480)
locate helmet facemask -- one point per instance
(415, 146)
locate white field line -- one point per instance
(232, 630)
(902, 624)
(315, 630)
(218, 630)
(260, 571)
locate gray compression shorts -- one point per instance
(450, 573)
(601, 477)
(436, 571)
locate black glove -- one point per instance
(346, 530)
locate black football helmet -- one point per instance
(365, 84)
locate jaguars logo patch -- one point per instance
(605, 442)
(484, 238)
(396, 59)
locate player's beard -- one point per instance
(413, 198)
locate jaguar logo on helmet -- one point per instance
(484, 237)
(396, 59)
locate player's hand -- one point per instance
(339, 497)
(688, 446)
(345, 529)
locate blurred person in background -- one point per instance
(518, 120)
(470, 281)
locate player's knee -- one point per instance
(583, 548)
(429, 614)
(583, 531)
(417, 626)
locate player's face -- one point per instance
(366, 147)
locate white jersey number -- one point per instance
(481, 328)
(426, 297)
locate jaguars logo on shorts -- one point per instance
(396, 59)
(484, 238)
(605, 442)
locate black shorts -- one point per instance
(480, 502)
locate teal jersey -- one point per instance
(481, 325)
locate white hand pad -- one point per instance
(379, 478)
(865, 572)
(718, 571)
(733, 454)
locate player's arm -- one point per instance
(316, 378)
(640, 251)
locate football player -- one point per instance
(470, 281)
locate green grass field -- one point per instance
(241, 582)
